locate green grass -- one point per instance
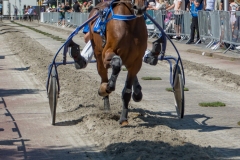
(212, 104)
(151, 78)
(44, 33)
(238, 123)
(170, 89)
(124, 69)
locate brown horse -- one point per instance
(126, 42)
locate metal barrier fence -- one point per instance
(72, 19)
(217, 26)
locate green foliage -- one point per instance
(212, 104)
(151, 78)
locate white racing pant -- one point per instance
(87, 52)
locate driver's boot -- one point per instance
(151, 57)
(80, 62)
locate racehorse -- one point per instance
(124, 43)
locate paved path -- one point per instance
(210, 126)
(25, 129)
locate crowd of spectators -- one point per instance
(173, 14)
(173, 10)
(84, 7)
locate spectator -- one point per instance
(160, 5)
(196, 6)
(151, 3)
(62, 15)
(30, 13)
(59, 8)
(42, 9)
(209, 5)
(233, 8)
(179, 6)
(53, 8)
(15, 12)
(218, 5)
(187, 5)
(90, 6)
(235, 22)
(67, 8)
(48, 9)
(76, 6)
(84, 7)
(25, 15)
(221, 7)
(167, 4)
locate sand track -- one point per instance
(149, 136)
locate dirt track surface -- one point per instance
(84, 131)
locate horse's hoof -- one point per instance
(102, 91)
(137, 97)
(151, 60)
(124, 123)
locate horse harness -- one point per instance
(104, 10)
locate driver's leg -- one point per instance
(81, 60)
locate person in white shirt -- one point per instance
(160, 5)
(209, 5)
(179, 7)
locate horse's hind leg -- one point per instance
(137, 91)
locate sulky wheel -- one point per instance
(178, 90)
(53, 95)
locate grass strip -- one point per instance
(151, 78)
(44, 33)
(212, 104)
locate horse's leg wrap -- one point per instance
(126, 96)
(78, 59)
(106, 103)
(137, 91)
(152, 57)
(116, 64)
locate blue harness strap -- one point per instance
(101, 22)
